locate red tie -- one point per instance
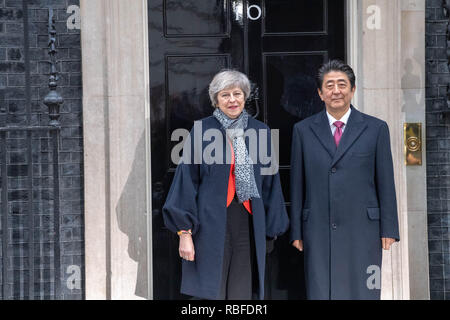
(338, 132)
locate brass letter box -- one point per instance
(412, 133)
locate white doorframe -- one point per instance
(353, 46)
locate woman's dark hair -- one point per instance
(335, 65)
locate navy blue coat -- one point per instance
(343, 202)
(197, 200)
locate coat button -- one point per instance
(334, 226)
(333, 170)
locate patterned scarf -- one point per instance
(243, 165)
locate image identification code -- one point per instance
(234, 309)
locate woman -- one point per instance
(224, 211)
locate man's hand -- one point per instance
(298, 244)
(186, 249)
(387, 242)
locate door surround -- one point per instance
(116, 114)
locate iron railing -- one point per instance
(30, 207)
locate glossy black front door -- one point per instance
(279, 44)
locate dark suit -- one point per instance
(343, 202)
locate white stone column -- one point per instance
(413, 106)
(116, 124)
(393, 89)
(95, 104)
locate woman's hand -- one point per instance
(387, 242)
(186, 249)
(298, 244)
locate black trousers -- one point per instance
(238, 258)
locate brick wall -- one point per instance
(21, 104)
(438, 148)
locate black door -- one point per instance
(279, 44)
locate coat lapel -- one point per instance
(355, 126)
(321, 129)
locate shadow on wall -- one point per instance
(411, 84)
(131, 217)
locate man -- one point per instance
(342, 191)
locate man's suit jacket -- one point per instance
(343, 202)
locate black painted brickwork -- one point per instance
(438, 149)
(13, 111)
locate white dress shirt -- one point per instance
(344, 119)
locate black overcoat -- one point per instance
(197, 201)
(343, 202)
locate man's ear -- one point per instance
(320, 93)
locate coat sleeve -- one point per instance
(384, 179)
(297, 190)
(277, 220)
(180, 208)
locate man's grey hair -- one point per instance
(227, 79)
